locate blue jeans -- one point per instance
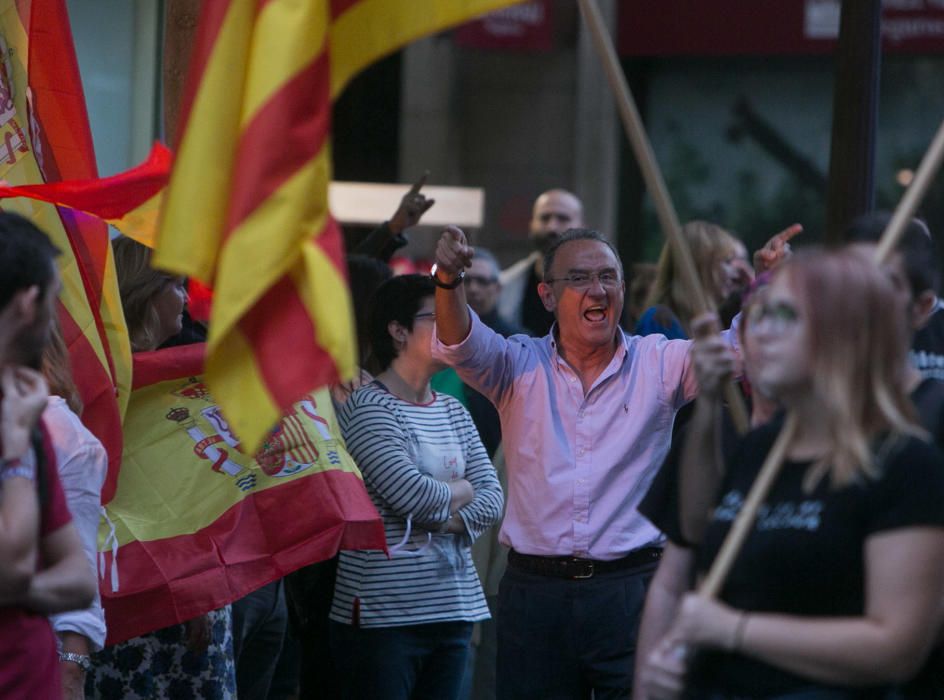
(564, 639)
(416, 662)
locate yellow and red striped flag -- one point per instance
(45, 137)
(246, 210)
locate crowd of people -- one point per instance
(550, 510)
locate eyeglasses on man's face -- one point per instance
(583, 279)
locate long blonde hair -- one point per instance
(138, 284)
(710, 244)
(858, 351)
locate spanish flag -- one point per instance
(246, 210)
(129, 201)
(196, 523)
(45, 137)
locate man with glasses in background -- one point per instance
(587, 415)
(482, 290)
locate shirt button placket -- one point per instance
(581, 484)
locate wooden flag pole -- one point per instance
(713, 582)
(912, 198)
(655, 183)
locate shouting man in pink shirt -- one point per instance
(587, 414)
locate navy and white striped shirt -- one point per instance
(407, 452)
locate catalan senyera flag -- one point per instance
(196, 523)
(246, 211)
(45, 137)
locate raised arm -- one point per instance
(387, 238)
(453, 255)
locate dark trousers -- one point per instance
(418, 662)
(560, 638)
(309, 591)
(259, 623)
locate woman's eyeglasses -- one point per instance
(776, 317)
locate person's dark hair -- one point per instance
(365, 275)
(578, 234)
(397, 299)
(26, 257)
(916, 247)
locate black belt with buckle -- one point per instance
(576, 568)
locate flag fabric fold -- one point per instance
(45, 138)
(196, 523)
(129, 201)
(246, 210)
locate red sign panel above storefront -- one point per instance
(525, 27)
(767, 27)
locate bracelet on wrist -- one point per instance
(81, 660)
(24, 467)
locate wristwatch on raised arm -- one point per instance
(446, 285)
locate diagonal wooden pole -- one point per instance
(655, 183)
(908, 205)
(722, 564)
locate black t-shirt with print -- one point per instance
(928, 398)
(927, 348)
(805, 554)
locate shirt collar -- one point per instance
(622, 347)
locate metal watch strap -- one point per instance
(81, 660)
(446, 285)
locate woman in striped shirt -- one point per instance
(401, 624)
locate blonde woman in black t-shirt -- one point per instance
(836, 591)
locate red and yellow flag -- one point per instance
(196, 523)
(45, 137)
(129, 201)
(246, 210)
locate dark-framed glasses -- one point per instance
(583, 279)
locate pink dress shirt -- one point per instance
(578, 465)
